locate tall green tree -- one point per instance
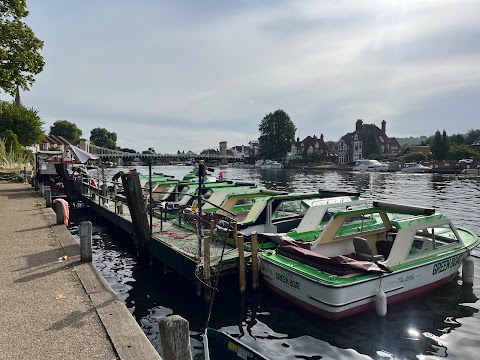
(446, 143)
(438, 146)
(277, 134)
(371, 147)
(462, 151)
(20, 58)
(24, 122)
(471, 136)
(67, 129)
(10, 139)
(102, 137)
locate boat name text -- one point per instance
(286, 280)
(443, 265)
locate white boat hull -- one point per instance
(337, 301)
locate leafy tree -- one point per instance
(413, 157)
(446, 143)
(102, 137)
(277, 134)
(68, 130)
(24, 122)
(371, 147)
(471, 136)
(438, 147)
(19, 48)
(10, 140)
(457, 139)
(462, 151)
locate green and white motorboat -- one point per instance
(356, 265)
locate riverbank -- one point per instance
(52, 305)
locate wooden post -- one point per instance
(37, 184)
(86, 241)
(175, 337)
(41, 188)
(235, 235)
(104, 186)
(115, 196)
(241, 264)
(254, 244)
(207, 295)
(48, 197)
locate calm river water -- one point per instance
(444, 323)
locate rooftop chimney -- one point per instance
(383, 125)
(359, 125)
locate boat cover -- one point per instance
(338, 265)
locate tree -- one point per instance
(438, 147)
(371, 147)
(471, 136)
(413, 157)
(20, 59)
(10, 140)
(446, 143)
(102, 137)
(277, 134)
(462, 151)
(23, 122)
(68, 130)
(457, 139)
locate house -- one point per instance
(251, 152)
(53, 142)
(352, 146)
(309, 146)
(425, 150)
(239, 150)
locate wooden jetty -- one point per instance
(199, 261)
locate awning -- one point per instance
(82, 155)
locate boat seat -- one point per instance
(363, 250)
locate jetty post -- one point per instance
(254, 245)
(85, 232)
(175, 337)
(235, 235)
(48, 197)
(207, 294)
(241, 264)
(41, 188)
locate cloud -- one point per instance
(170, 75)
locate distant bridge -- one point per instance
(105, 153)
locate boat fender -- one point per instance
(106, 205)
(381, 302)
(467, 270)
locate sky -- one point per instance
(185, 75)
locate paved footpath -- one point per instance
(53, 309)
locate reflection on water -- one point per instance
(441, 324)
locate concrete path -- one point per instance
(51, 308)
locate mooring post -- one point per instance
(241, 264)
(32, 181)
(175, 337)
(115, 196)
(37, 184)
(59, 210)
(207, 295)
(104, 185)
(235, 235)
(86, 241)
(41, 188)
(48, 197)
(254, 244)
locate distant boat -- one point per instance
(268, 164)
(370, 165)
(413, 167)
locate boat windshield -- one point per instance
(289, 208)
(431, 238)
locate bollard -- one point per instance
(119, 207)
(254, 243)
(60, 213)
(32, 181)
(175, 337)
(41, 189)
(86, 241)
(36, 184)
(241, 264)
(48, 197)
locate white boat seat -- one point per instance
(363, 250)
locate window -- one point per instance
(359, 224)
(289, 208)
(357, 146)
(432, 238)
